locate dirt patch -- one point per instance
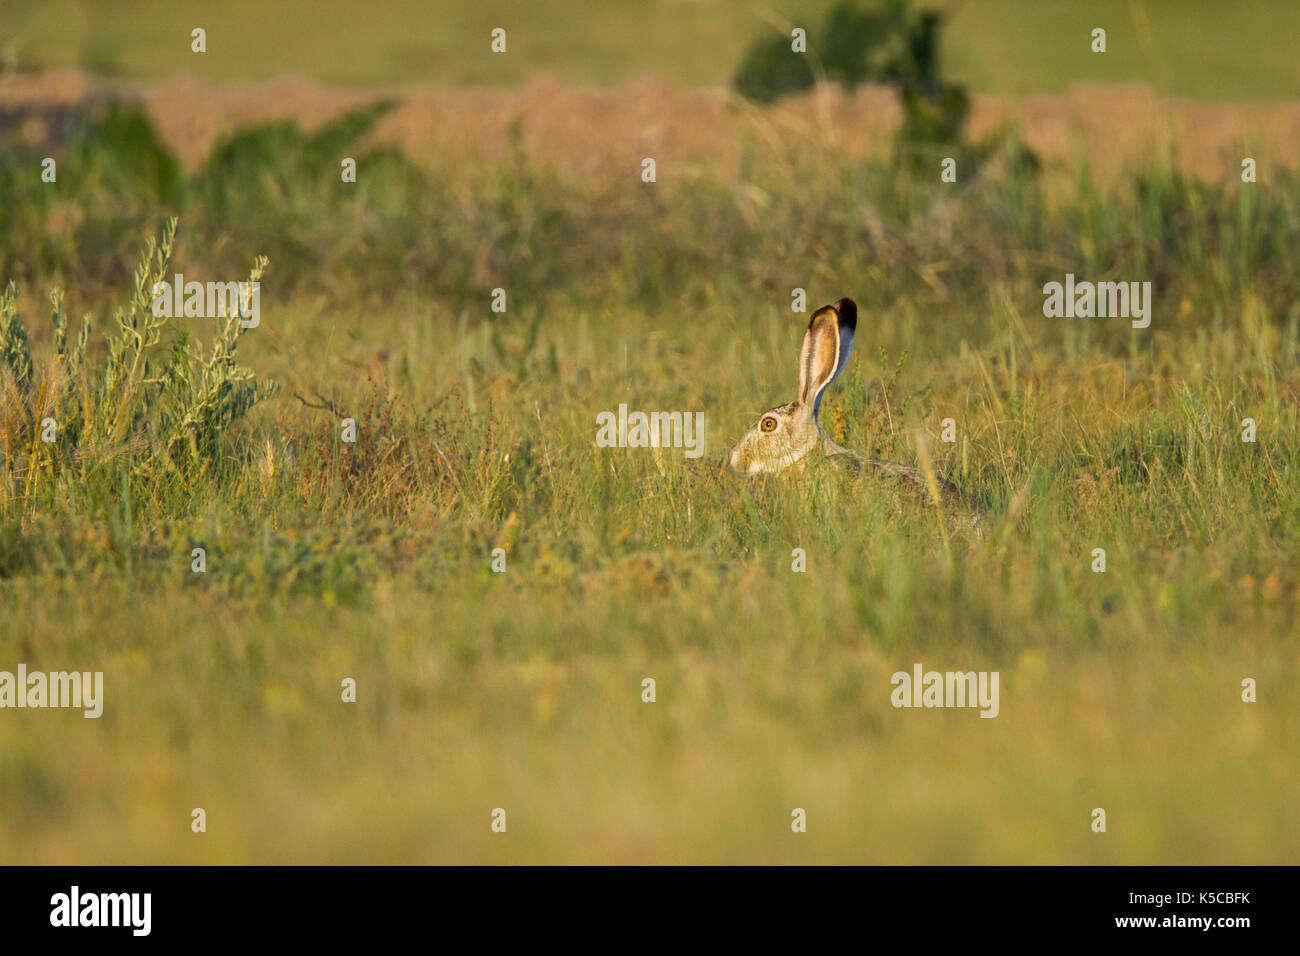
(607, 132)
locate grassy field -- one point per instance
(475, 430)
(1197, 48)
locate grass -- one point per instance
(522, 690)
(1197, 48)
(328, 560)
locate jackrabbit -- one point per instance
(791, 436)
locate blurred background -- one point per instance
(1186, 47)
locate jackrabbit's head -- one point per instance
(787, 434)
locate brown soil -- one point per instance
(596, 131)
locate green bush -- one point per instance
(881, 42)
(771, 69)
(146, 403)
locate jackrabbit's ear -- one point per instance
(825, 352)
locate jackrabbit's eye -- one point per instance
(768, 424)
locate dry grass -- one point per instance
(522, 690)
(604, 132)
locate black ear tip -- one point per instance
(848, 310)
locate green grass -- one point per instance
(522, 690)
(1198, 48)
